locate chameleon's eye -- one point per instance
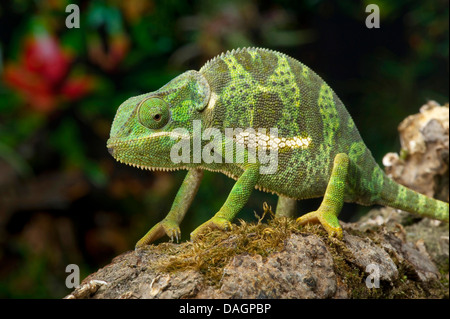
(153, 113)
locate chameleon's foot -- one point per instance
(164, 227)
(328, 220)
(213, 223)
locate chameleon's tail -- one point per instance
(401, 197)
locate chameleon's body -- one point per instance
(320, 151)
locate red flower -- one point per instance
(42, 74)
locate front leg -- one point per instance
(237, 198)
(170, 225)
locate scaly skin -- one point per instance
(320, 151)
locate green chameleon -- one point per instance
(318, 148)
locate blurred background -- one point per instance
(63, 198)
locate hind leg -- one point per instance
(286, 207)
(333, 199)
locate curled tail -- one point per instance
(401, 197)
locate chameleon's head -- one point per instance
(145, 126)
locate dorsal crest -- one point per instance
(236, 51)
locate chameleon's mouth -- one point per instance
(114, 148)
(141, 166)
(121, 149)
(110, 150)
(150, 168)
(113, 141)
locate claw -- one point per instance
(213, 223)
(165, 227)
(328, 221)
(175, 235)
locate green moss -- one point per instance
(443, 267)
(213, 250)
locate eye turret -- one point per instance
(153, 113)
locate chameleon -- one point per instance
(318, 148)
